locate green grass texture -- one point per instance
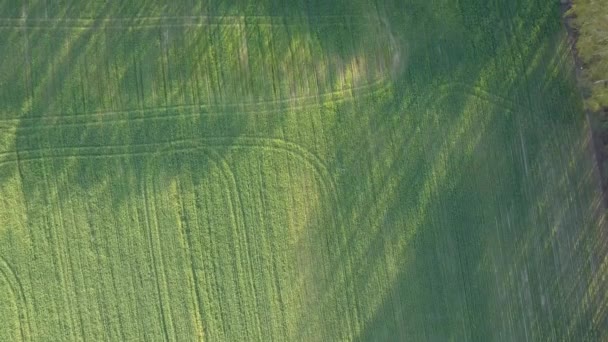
(368, 170)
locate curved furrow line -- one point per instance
(19, 294)
(236, 208)
(194, 147)
(323, 178)
(179, 146)
(282, 145)
(326, 182)
(122, 150)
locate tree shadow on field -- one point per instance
(461, 240)
(107, 90)
(440, 232)
(107, 84)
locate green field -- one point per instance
(295, 171)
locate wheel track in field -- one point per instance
(18, 293)
(207, 318)
(196, 110)
(237, 261)
(182, 21)
(326, 181)
(127, 150)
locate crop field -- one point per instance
(295, 171)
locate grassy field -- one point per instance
(299, 171)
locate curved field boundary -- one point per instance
(182, 21)
(327, 186)
(209, 147)
(175, 147)
(19, 294)
(156, 149)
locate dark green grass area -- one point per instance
(303, 171)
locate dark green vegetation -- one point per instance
(591, 21)
(317, 171)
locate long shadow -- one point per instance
(420, 204)
(102, 114)
(486, 264)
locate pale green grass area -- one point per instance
(302, 172)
